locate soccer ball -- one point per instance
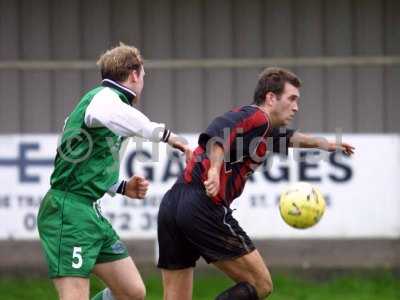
(301, 205)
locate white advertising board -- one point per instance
(362, 191)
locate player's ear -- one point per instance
(134, 76)
(270, 98)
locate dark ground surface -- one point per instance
(24, 258)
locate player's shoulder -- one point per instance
(251, 114)
(105, 95)
(106, 92)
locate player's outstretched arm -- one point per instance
(107, 110)
(301, 140)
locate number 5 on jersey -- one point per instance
(77, 260)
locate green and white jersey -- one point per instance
(87, 161)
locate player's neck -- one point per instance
(269, 114)
(130, 86)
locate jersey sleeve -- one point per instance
(114, 189)
(222, 130)
(236, 131)
(107, 110)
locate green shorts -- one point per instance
(75, 236)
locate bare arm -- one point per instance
(216, 156)
(301, 140)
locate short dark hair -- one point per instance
(273, 80)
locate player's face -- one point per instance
(138, 82)
(287, 105)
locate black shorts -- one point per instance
(190, 225)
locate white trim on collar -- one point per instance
(120, 86)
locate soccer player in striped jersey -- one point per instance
(76, 239)
(195, 218)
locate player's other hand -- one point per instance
(136, 187)
(212, 182)
(333, 146)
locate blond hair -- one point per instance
(117, 63)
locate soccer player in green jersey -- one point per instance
(76, 239)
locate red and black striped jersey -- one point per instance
(243, 132)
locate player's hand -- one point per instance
(180, 144)
(212, 182)
(333, 146)
(346, 148)
(136, 187)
